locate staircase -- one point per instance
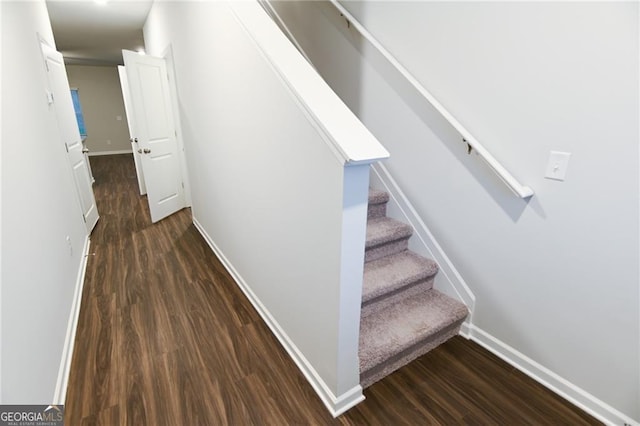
(402, 316)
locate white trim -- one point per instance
(60, 392)
(99, 153)
(448, 280)
(638, 94)
(335, 405)
(569, 391)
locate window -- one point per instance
(79, 117)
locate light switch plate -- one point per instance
(557, 166)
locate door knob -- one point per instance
(147, 151)
(85, 150)
(140, 151)
(135, 140)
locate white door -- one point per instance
(156, 133)
(60, 101)
(126, 96)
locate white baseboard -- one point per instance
(569, 391)
(60, 392)
(119, 151)
(448, 280)
(335, 404)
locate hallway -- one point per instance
(165, 337)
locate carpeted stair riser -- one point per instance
(385, 237)
(382, 230)
(377, 204)
(387, 249)
(378, 304)
(392, 273)
(392, 278)
(376, 210)
(402, 316)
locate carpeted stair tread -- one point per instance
(377, 196)
(406, 324)
(382, 230)
(391, 273)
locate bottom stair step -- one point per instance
(400, 333)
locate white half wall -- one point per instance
(279, 201)
(43, 233)
(555, 279)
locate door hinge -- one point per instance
(84, 218)
(182, 185)
(66, 146)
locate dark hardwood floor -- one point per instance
(165, 337)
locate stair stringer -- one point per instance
(448, 280)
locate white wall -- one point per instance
(40, 209)
(102, 106)
(555, 279)
(270, 192)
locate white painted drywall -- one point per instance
(40, 210)
(102, 104)
(557, 278)
(268, 188)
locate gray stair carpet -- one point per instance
(385, 236)
(403, 316)
(377, 203)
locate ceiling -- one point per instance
(88, 32)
